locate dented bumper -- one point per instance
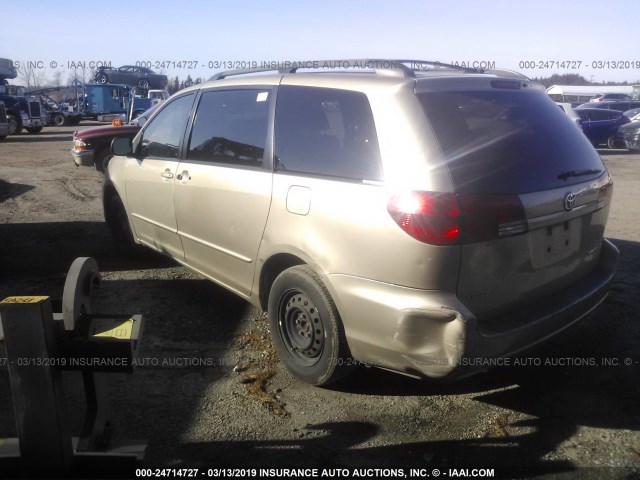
(433, 334)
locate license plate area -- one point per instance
(556, 243)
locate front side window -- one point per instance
(163, 134)
(325, 131)
(231, 127)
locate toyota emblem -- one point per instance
(569, 201)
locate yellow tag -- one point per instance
(110, 328)
(24, 299)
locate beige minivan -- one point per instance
(408, 215)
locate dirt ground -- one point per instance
(211, 393)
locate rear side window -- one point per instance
(507, 142)
(324, 131)
(231, 127)
(594, 115)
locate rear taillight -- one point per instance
(432, 218)
(604, 195)
(451, 219)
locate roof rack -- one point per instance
(388, 67)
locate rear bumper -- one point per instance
(432, 334)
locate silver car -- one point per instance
(413, 216)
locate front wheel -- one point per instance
(120, 227)
(101, 78)
(15, 126)
(102, 160)
(611, 142)
(306, 328)
(34, 129)
(143, 83)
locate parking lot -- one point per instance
(210, 392)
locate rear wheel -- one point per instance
(611, 142)
(59, 119)
(306, 327)
(101, 78)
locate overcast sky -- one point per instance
(590, 36)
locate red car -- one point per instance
(92, 146)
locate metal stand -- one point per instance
(39, 347)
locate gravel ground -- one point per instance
(211, 393)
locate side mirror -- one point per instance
(139, 121)
(121, 146)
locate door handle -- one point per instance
(166, 174)
(184, 176)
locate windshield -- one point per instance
(508, 142)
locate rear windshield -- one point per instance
(508, 142)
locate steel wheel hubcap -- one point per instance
(301, 327)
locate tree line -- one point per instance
(575, 79)
(33, 79)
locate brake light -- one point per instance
(449, 219)
(432, 218)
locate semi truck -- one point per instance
(22, 111)
(4, 123)
(96, 101)
(105, 101)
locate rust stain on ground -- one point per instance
(258, 374)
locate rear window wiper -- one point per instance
(578, 173)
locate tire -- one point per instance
(34, 129)
(120, 227)
(59, 119)
(306, 328)
(143, 83)
(103, 157)
(2, 137)
(15, 125)
(611, 142)
(101, 78)
(136, 114)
